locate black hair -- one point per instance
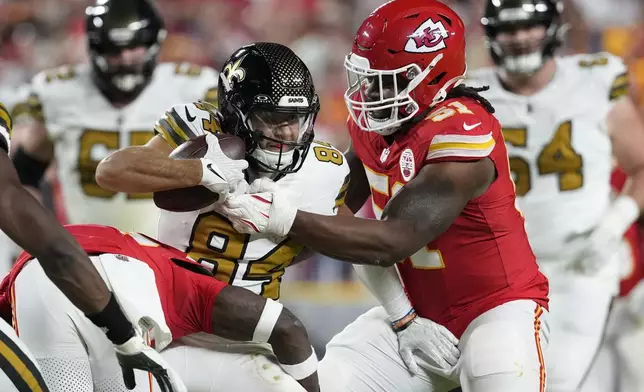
(462, 90)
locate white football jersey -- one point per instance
(559, 147)
(256, 262)
(85, 128)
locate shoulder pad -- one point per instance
(460, 128)
(55, 75)
(609, 70)
(188, 121)
(194, 82)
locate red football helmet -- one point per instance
(406, 56)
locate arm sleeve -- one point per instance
(385, 285)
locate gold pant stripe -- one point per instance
(19, 368)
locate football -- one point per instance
(197, 197)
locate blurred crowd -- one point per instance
(40, 34)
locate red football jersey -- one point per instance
(187, 297)
(633, 238)
(483, 259)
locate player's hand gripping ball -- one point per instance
(197, 197)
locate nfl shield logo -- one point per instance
(407, 165)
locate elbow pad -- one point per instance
(30, 170)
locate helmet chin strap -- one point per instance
(272, 159)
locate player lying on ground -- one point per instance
(64, 262)
(167, 293)
(266, 97)
(433, 156)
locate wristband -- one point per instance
(304, 369)
(403, 323)
(30, 170)
(113, 322)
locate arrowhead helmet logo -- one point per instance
(428, 37)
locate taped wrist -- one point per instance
(30, 170)
(113, 322)
(267, 320)
(404, 322)
(304, 369)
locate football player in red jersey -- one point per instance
(432, 155)
(65, 263)
(161, 290)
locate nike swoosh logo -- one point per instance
(470, 127)
(209, 167)
(191, 118)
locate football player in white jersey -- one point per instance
(84, 112)
(564, 118)
(267, 97)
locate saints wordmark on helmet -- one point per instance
(428, 37)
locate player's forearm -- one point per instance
(143, 169)
(355, 240)
(63, 260)
(291, 346)
(386, 286)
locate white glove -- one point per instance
(265, 212)
(135, 354)
(221, 174)
(431, 342)
(600, 247)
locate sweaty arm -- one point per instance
(418, 214)
(239, 314)
(148, 168)
(33, 228)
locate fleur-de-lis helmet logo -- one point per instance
(233, 72)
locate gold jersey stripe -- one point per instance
(212, 95)
(462, 146)
(179, 126)
(35, 108)
(163, 128)
(6, 118)
(342, 195)
(620, 87)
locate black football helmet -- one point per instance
(511, 15)
(265, 91)
(113, 26)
